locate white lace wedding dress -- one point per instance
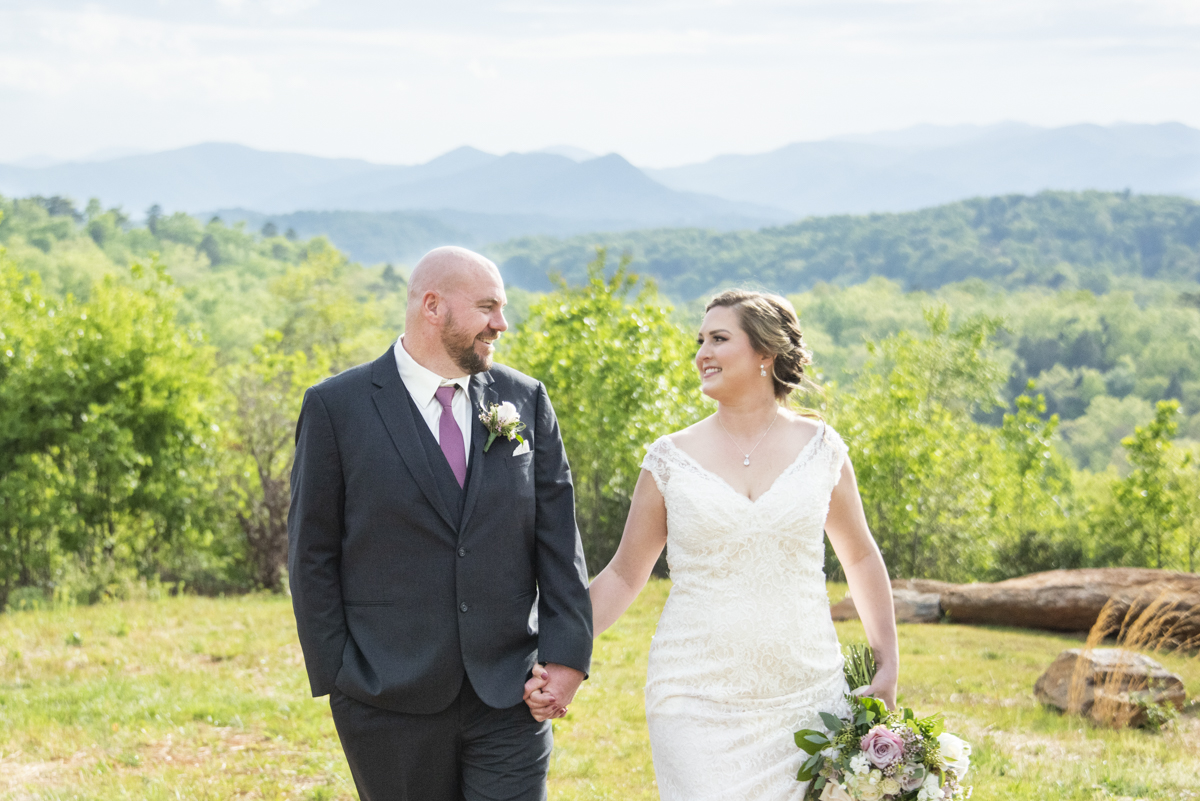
(745, 652)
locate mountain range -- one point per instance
(605, 191)
(379, 212)
(929, 165)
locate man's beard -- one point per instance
(460, 345)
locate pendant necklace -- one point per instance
(746, 461)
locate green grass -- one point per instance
(199, 698)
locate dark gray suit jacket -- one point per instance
(401, 584)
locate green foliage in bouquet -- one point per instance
(859, 666)
(875, 754)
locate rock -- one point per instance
(1060, 600)
(1111, 685)
(911, 607)
(844, 610)
(917, 607)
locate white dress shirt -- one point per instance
(422, 383)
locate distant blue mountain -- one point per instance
(380, 212)
(190, 179)
(607, 191)
(929, 165)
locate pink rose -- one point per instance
(882, 746)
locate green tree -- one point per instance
(106, 445)
(326, 327)
(266, 395)
(1151, 518)
(925, 467)
(1030, 498)
(620, 375)
(153, 215)
(323, 315)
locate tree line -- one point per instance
(150, 377)
(1061, 240)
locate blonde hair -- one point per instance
(771, 323)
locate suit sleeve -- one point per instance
(315, 544)
(564, 606)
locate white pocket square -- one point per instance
(522, 448)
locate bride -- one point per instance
(745, 652)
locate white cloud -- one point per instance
(661, 81)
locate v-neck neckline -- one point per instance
(803, 451)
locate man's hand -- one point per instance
(541, 704)
(551, 689)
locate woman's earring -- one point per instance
(762, 370)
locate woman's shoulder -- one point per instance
(683, 436)
(803, 422)
(670, 448)
(814, 428)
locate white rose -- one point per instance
(869, 791)
(889, 786)
(931, 790)
(835, 792)
(956, 754)
(508, 413)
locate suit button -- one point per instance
(462, 607)
(462, 551)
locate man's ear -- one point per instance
(432, 307)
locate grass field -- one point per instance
(197, 698)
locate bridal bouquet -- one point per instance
(877, 755)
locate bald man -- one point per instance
(430, 571)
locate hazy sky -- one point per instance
(662, 82)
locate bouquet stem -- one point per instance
(859, 666)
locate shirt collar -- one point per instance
(422, 382)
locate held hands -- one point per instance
(550, 690)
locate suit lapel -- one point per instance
(482, 396)
(391, 400)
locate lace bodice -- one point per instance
(745, 652)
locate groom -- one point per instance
(430, 571)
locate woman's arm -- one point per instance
(620, 582)
(643, 540)
(867, 575)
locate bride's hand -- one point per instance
(542, 705)
(883, 687)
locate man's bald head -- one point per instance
(448, 269)
(455, 311)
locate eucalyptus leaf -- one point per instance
(810, 768)
(811, 741)
(832, 722)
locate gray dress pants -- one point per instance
(467, 752)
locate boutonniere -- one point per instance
(501, 420)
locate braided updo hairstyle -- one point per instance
(771, 323)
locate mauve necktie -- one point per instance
(450, 435)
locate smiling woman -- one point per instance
(741, 657)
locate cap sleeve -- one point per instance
(836, 451)
(655, 463)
